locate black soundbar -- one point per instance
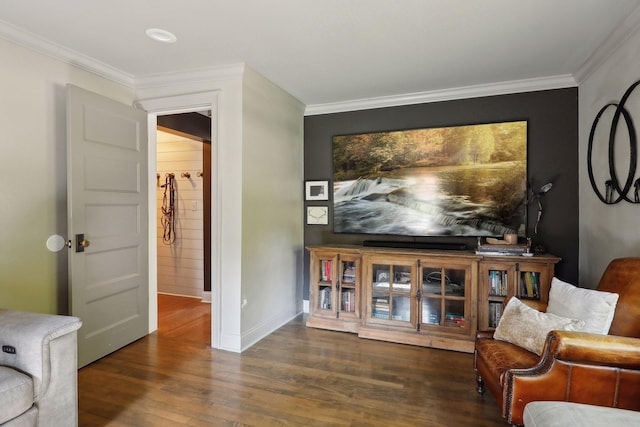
(450, 246)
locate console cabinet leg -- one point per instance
(480, 383)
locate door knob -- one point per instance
(81, 242)
(55, 243)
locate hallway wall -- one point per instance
(181, 263)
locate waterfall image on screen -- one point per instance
(450, 181)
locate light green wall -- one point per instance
(260, 184)
(272, 198)
(33, 174)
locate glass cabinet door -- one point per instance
(324, 283)
(502, 278)
(401, 293)
(381, 294)
(431, 311)
(498, 279)
(533, 280)
(391, 292)
(443, 296)
(347, 289)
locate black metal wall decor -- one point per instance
(614, 192)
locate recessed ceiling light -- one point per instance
(160, 35)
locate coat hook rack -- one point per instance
(185, 175)
(200, 174)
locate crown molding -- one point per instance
(476, 91)
(56, 51)
(209, 74)
(31, 41)
(41, 45)
(629, 27)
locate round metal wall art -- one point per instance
(614, 192)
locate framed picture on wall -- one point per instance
(317, 215)
(317, 190)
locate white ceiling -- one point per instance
(331, 51)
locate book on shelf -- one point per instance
(488, 249)
(325, 270)
(380, 308)
(495, 313)
(349, 300)
(380, 314)
(530, 285)
(349, 273)
(498, 282)
(454, 320)
(324, 298)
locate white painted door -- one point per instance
(107, 203)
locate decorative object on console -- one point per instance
(536, 196)
(508, 246)
(612, 185)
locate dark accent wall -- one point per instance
(552, 117)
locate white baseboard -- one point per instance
(266, 327)
(178, 295)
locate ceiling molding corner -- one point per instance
(476, 91)
(209, 74)
(629, 26)
(38, 44)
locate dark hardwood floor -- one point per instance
(297, 376)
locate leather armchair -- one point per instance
(579, 367)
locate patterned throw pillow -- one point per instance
(528, 328)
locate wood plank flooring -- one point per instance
(297, 376)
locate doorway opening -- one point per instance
(156, 108)
(183, 213)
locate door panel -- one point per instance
(107, 197)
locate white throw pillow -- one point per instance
(596, 308)
(528, 328)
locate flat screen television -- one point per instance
(449, 181)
